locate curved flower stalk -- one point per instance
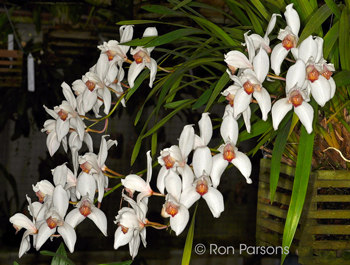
(297, 98)
(95, 165)
(250, 82)
(289, 38)
(20, 221)
(229, 152)
(86, 187)
(54, 221)
(131, 227)
(142, 59)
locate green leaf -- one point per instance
(254, 19)
(57, 260)
(171, 36)
(186, 256)
(136, 150)
(236, 9)
(215, 31)
(277, 153)
(257, 129)
(154, 144)
(202, 99)
(261, 8)
(217, 90)
(168, 117)
(49, 253)
(160, 10)
(118, 263)
(140, 22)
(342, 78)
(333, 6)
(330, 39)
(315, 22)
(301, 180)
(176, 104)
(15, 263)
(344, 40)
(139, 42)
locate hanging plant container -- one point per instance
(11, 68)
(323, 234)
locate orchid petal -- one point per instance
(189, 196)
(186, 140)
(74, 217)
(292, 19)
(99, 218)
(246, 117)
(237, 59)
(152, 66)
(242, 162)
(296, 75)
(187, 176)
(308, 49)
(68, 94)
(278, 54)
(229, 129)
(261, 64)
(121, 239)
(60, 200)
(86, 185)
(215, 201)
(219, 166)
(305, 113)
(43, 235)
(180, 220)
(134, 182)
(134, 71)
(52, 143)
(205, 128)
(332, 85)
(279, 110)
(241, 102)
(202, 161)
(24, 247)
(62, 129)
(69, 236)
(264, 101)
(321, 90)
(163, 172)
(173, 184)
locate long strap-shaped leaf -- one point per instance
(301, 180)
(277, 153)
(315, 22)
(344, 40)
(186, 256)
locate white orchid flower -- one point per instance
(229, 94)
(202, 166)
(52, 142)
(66, 116)
(86, 186)
(177, 212)
(175, 159)
(75, 145)
(20, 221)
(62, 175)
(95, 165)
(54, 221)
(131, 222)
(297, 98)
(264, 42)
(142, 59)
(289, 37)
(42, 189)
(251, 85)
(229, 152)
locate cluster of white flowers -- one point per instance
(309, 75)
(180, 183)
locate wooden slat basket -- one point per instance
(11, 68)
(323, 235)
